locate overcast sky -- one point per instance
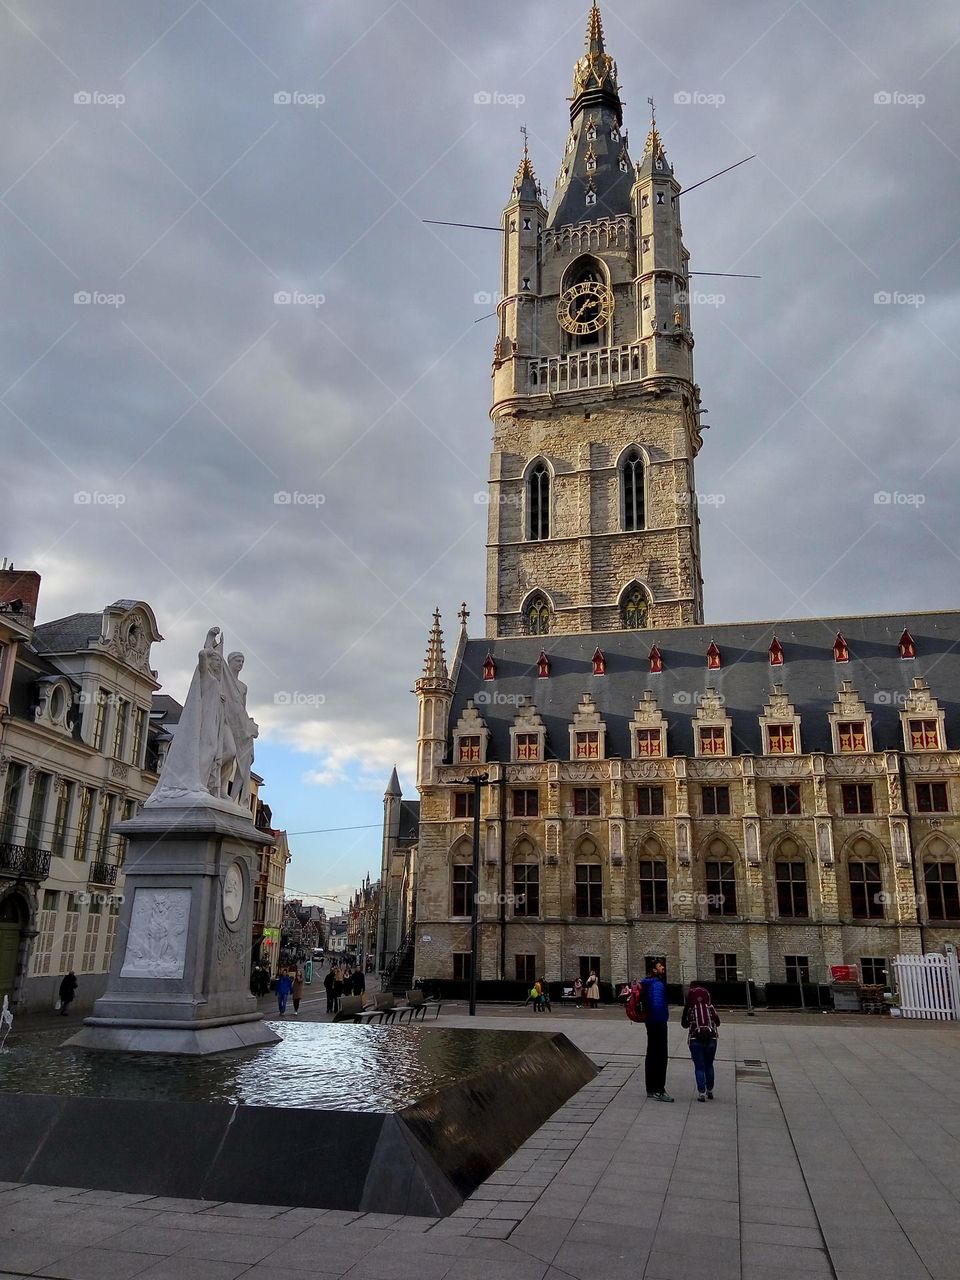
(182, 398)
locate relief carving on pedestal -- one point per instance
(157, 942)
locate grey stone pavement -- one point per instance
(832, 1149)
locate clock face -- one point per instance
(585, 307)
(232, 893)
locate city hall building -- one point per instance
(760, 800)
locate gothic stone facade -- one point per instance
(788, 804)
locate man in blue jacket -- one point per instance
(658, 1015)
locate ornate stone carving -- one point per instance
(645, 770)
(782, 766)
(157, 942)
(853, 766)
(119, 770)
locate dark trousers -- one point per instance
(655, 1064)
(703, 1055)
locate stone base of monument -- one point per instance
(459, 1103)
(180, 977)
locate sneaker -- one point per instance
(701, 1097)
(710, 1093)
(663, 1096)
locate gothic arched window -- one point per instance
(537, 616)
(634, 607)
(631, 481)
(538, 503)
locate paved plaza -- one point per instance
(832, 1148)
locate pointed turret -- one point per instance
(595, 175)
(393, 786)
(654, 158)
(434, 692)
(435, 663)
(525, 185)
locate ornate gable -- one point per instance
(470, 737)
(780, 725)
(528, 723)
(648, 728)
(851, 725)
(712, 726)
(588, 732)
(922, 719)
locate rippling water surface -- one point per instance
(329, 1067)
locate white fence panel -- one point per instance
(929, 986)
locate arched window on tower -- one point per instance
(538, 503)
(634, 607)
(631, 483)
(536, 616)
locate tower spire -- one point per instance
(595, 74)
(654, 156)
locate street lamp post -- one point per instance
(478, 781)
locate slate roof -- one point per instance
(65, 635)
(613, 187)
(809, 676)
(409, 821)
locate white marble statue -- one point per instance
(211, 754)
(6, 1022)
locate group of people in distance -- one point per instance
(586, 995)
(340, 981)
(539, 997)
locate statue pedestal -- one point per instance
(180, 976)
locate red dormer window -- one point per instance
(776, 653)
(599, 663)
(907, 647)
(656, 660)
(543, 666)
(840, 651)
(489, 668)
(713, 657)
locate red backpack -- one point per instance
(634, 1007)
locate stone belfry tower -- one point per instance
(593, 522)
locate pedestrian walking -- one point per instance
(578, 992)
(701, 1020)
(358, 983)
(592, 991)
(544, 996)
(328, 988)
(284, 987)
(654, 996)
(296, 991)
(68, 989)
(337, 988)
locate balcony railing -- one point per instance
(22, 860)
(102, 873)
(603, 367)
